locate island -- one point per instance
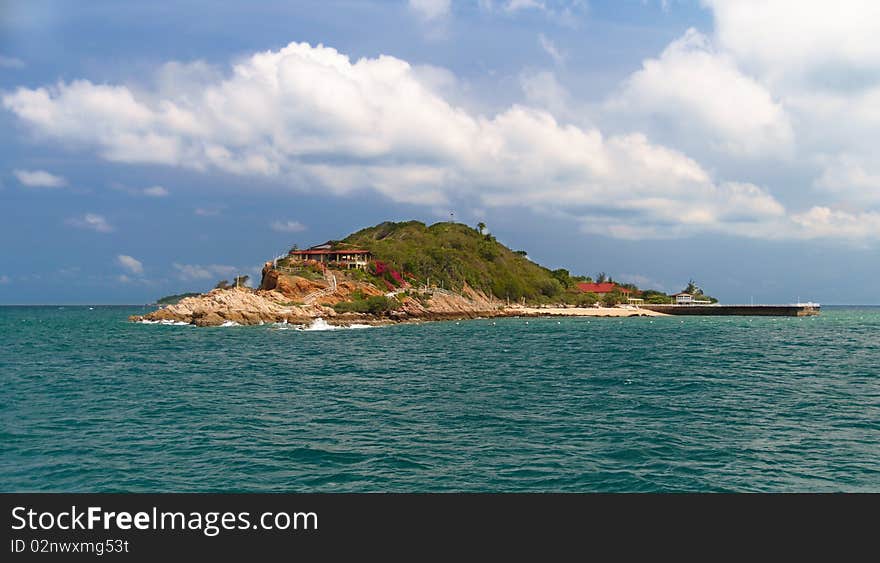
(409, 272)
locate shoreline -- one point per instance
(349, 319)
(617, 312)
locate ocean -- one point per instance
(93, 403)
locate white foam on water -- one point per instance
(230, 323)
(320, 324)
(166, 322)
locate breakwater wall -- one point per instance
(733, 310)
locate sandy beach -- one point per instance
(582, 312)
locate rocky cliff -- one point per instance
(283, 297)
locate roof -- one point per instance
(601, 287)
(326, 251)
(682, 293)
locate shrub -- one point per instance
(375, 305)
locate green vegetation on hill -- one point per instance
(174, 299)
(375, 305)
(452, 254)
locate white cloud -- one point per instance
(823, 222)
(542, 89)
(550, 48)
(313, 119)
(848, 176)
(430, 9)
(91, 221)
(797, 40)
(288, 226)
(4, 279)
(198, 272)
(133, 265)
(39, 179)
(11, 62)
(701, 92)
(517, 5)
(155, 191)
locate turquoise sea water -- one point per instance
(91, 402)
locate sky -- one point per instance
(151, 148)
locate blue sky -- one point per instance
(157, 147)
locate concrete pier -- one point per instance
(796, 310)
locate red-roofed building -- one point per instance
(602, 288)
(339, 257)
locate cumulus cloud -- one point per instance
(824, 222)
(313, 118)
(197, 272)
(288, 226)
(543, 90)
(701, 90)
(91, 221)
(39, 179)
(791, 39)
(133, 265)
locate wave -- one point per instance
(167, 322)
(319, 324)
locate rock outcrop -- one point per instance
(297, 300)
(237, 305)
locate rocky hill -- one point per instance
(442, 271)
(453, 255)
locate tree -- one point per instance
(602, 277)
(613, 298)
(481, 227)
(563, 276)
(241, 281)
(586, 299)
(222, 284)
(693, 288)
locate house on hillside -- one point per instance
(334, 256)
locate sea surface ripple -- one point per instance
(92, 402)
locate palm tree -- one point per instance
(481, 227)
